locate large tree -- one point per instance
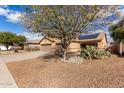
(62, 22)
(9, 39)
(20, 39)
(117, 32)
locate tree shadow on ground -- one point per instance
(49, 58)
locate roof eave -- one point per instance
(87, 41)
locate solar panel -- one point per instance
(91, 36)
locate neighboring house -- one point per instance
(19, 47)
(47, 45)
(2, 47)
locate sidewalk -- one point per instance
(6, 79)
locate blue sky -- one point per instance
(9, 20)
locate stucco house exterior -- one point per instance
(47, 45)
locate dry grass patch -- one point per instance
(108, 72)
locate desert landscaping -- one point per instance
(39, 72)
(63, 47)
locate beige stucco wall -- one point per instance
(32, 45)
(45, 42)
(74, 47)
(102, 43)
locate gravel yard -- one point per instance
(39, 72)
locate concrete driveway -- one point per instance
(21, 56)
(6, 79)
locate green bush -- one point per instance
(92, 52)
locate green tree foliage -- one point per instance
(8, 38)
(117, 31)
(20, 39)
(62, 22)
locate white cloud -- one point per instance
(3, 11)
(31, 36)
(14, 17)
(11, 16)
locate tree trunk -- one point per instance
(64, 55)
(120, 48)
(7, 47)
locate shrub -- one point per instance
(16, 50)
(32, 48)
(27, 49)
(35, 48)
(103, 53)
(91, 52)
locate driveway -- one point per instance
(21, 56)
(6, 79)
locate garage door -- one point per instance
(46, 48)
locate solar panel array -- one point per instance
(91, 36)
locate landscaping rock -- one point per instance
(74, 59)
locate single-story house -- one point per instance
(47, 45)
